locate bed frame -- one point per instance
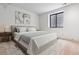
(14, 26)
(24, 50)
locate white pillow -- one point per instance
(22, 29)
(31, 29)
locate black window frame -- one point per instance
(56, 20)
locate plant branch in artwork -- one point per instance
(22, 18)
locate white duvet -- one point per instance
(38, 43)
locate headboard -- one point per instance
(13, 27)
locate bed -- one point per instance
(34, 42)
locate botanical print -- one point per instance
(22, 18)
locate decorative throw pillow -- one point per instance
(17, 29)
(22, 29)
(31, 29)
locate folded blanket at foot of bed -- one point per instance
(39, 43)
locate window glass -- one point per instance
(60, 20)
(56, 20)
(53, 21)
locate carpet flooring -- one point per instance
(61, 47)
(9, 48)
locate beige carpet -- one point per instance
(61, 47)
(9, 48)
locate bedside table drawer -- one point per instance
(5, 36)
(4, 39)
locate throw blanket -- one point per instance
(26, 37)
(38, 41)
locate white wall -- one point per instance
(7, 16)
(71, 21)
(43, 22)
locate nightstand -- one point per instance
(5, 36)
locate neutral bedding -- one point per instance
(35, 42)
(26, 36)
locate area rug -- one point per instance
(9, 48)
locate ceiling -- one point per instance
(38, 8)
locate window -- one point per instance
(56, 20)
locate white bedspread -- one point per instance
(39, 41)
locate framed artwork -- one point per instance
(22, 18)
